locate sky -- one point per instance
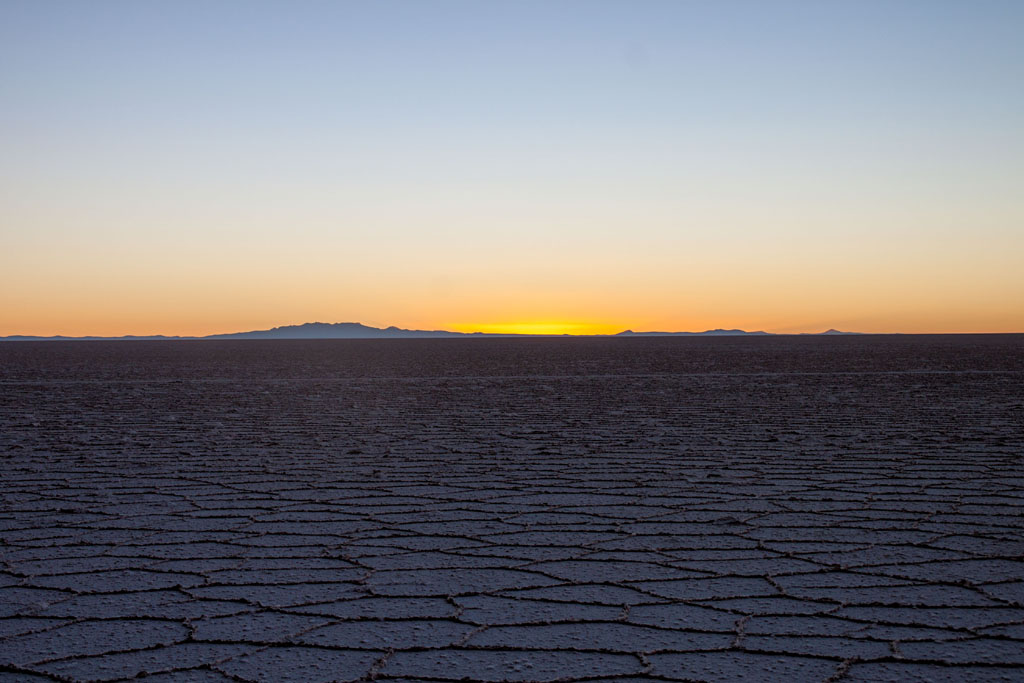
(196, 167)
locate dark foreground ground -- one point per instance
(718, 509)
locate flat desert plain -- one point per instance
(719, 509)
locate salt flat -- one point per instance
(844, 508)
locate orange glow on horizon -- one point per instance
(82, 325)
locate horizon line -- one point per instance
(392, 331)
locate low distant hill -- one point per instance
(335, 331)
(360, 331)
(60, 337)
(835, 332)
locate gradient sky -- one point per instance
(197, 167)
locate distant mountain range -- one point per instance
(337, 331)
(360, 331)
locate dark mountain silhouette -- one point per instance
(360, 331)
(335, 331)
(830, 333)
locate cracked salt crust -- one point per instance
(530, 510)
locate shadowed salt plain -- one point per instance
(807, 509)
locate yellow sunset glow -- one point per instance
(539, 327)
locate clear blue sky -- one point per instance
(189, 166)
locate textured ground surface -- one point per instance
(636, 509)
